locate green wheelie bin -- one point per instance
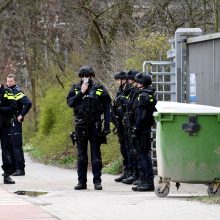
(187, 146)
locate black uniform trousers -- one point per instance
(145, 165)
(132, 160)
(18, 153)
(123, 145)
(7, 150)
(84, 135)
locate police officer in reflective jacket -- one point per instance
(143, 108)
(8, 109)
(90, 101)
(23, 105)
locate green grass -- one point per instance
(207, 199)
(111, 155)
(114, 167)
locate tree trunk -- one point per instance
(216, 17)
(34, 106)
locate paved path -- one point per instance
(115, 202)
(13, 207)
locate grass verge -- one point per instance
(207, 199)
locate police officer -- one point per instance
(117, 115)
(90, 101)
(128, 124)
(8, 109)
(24, 105)
(143, 108)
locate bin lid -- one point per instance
(176, 107)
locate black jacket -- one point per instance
(143, 108)
(8, 105)
(23, 102)
(89, 106)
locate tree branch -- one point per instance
(5, 5)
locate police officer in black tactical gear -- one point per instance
(143, 108)
(24, 105)
(90, 101)
(117, 115)
(8, 109)
(127, 122)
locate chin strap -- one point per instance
(122, 85)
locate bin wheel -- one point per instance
(211, 191)
(162, 193)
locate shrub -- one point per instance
(54, 126)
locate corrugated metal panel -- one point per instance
(217, 73)
(204, 57)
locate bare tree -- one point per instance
(4, 5)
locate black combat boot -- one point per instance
(8, 180)
(145, 186)
(97, 186)
(124, 175)
(8, 172)
(131, 178)
(80, 186)
(136, 182)
(18, 173)
(134, 188)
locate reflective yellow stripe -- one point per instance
(19, 95)
(98, 93)
(76, 91)
(151, 98)
(9, 96)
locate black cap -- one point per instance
(143, 78)
(86, 71)
(120, 75)
(131, 74)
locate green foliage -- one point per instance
(114, 167)
(52, 141)
(110, 151)
(145, 47)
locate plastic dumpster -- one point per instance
(187, 146)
